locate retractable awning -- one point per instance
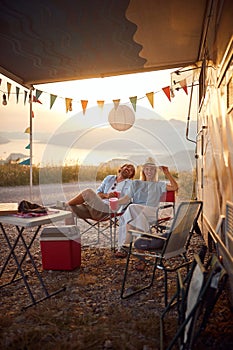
(56, 40)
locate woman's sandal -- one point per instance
(121, 254)
(140, 265)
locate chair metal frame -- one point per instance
(109, 232)
(175, 246)
(168, 199)
(195, 299)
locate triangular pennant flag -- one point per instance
(100, 103)
(150, 96)
(133, 100)
(36, 100)
(8, 89)
(68, 104)
(116, 103)
(25, 96)
(52, 100)
(17, 93)
(38, 93)
(183, 84)
(32, 114)
(166, 90)
(25, 162)
(27, 130)
(84, 105)
(28, 146)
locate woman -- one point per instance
(144, 196)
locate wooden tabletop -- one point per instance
(8, 208)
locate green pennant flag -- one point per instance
(25, 96)
(133, 100)
(38, 93)
(52, 100)
(25, 162)
(17, 93)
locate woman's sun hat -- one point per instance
(150, 162)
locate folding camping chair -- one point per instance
(194, 300)
(167, 200)
(108, 230)
(174, 245)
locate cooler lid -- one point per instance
(68, 232)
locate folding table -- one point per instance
(20, 224)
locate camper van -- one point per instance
(214, 139)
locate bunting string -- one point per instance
(37, 97)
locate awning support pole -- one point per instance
(31, 114)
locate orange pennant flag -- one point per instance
(84, 105)
(68, 104)
(100, 103)
(150, 96)
(116, 103)
(167, 90)
(133, 100)
(8, 89)
(183, 84)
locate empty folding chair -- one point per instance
(194, 301)
(156, 251)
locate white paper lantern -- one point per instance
(122, 118)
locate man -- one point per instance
(89, 204)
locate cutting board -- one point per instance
(8, 208)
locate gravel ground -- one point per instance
(90, 314)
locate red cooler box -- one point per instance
(60, 247)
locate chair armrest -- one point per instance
(165, 206)
(147, 234)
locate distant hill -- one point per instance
(160, 136)
(163, 139)
(181, 161)
(3, 140)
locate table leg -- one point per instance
(19, 265)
